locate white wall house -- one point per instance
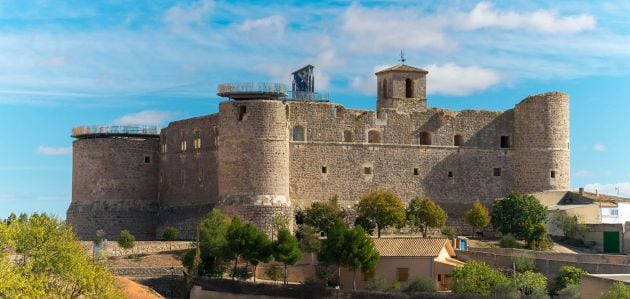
(615, 212)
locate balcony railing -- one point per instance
(252, 87)
(106, 130)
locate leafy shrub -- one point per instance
(449, 232)
(477, 278)
(568, 275)
(530, 283)
(420, 285)
(508, 241)
(572, 291)
(170, 234)
(396, 285)
(537, 238)
(274, 273)
(523, 263)
(619, 290)
(378, 284)
(241, 273)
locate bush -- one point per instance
(505, 290)
(241, 273)
(570, 292)
(170, 234)
(449, 232)
(530, 283)
(523, 263)
(568, 275)
(537, 238)
(378, 284)
(508, 241)
(274, 273)
(619, 291)
(477, 278)
(420, 285)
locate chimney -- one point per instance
(581, 190)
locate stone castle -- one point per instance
(264, 154)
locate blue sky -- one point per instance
(69, 63)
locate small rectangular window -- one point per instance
(553, 174)
(415, 171)
(450, 174)
(324, 169)
(183, 146)
(505, 141)
(367, 170)
(164, 148)
(147, 159)
(241, 112)
(496, 171)
(403, 274)
(614, 212)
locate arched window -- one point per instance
(298, 133)
(458, 140)
(425, 138)
(384, 88)
(347, 136)
(374, 136)
(408, 88)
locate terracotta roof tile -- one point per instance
(400, 246)
(402, 68)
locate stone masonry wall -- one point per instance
(188, 178)
(113, 187)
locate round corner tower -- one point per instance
(114, 181)
(541, 143)
(254, 155)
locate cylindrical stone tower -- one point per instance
(541, 143)
(114, 181)
(253, 160)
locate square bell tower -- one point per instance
(403, 88)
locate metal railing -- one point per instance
(311, 96)
(252, 87)
(114, 130)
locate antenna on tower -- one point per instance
(402, 56)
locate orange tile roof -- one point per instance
(400, 246)
(402, 68)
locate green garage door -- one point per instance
(611, 242)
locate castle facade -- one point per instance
(262, 155)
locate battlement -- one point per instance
(104, 131)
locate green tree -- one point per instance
(359, 252)
(569, 225)
(449, 232)
(478, 216)
(424, 213)
(619, 290)
(47, 262)
(382, 208)
(477, 278)
(126, 240)
(517, 214)
(367, 224)
(170, 234)
(333, 246)
(523, 263)
(309, 240)
(286, 249)
(213, 243)
(530, 283)
(323, 215)
(258, 246)
(537, 238)
(236, 242)
(568, 275)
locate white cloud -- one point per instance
(485, 16)
(621, 189)
(367, 84)
(452, 79)
(180, 18)
(599, 148)
(265, 28)
(54, 151)
(146, 117)
(376, 30)
(583, 173)
(7, 197)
